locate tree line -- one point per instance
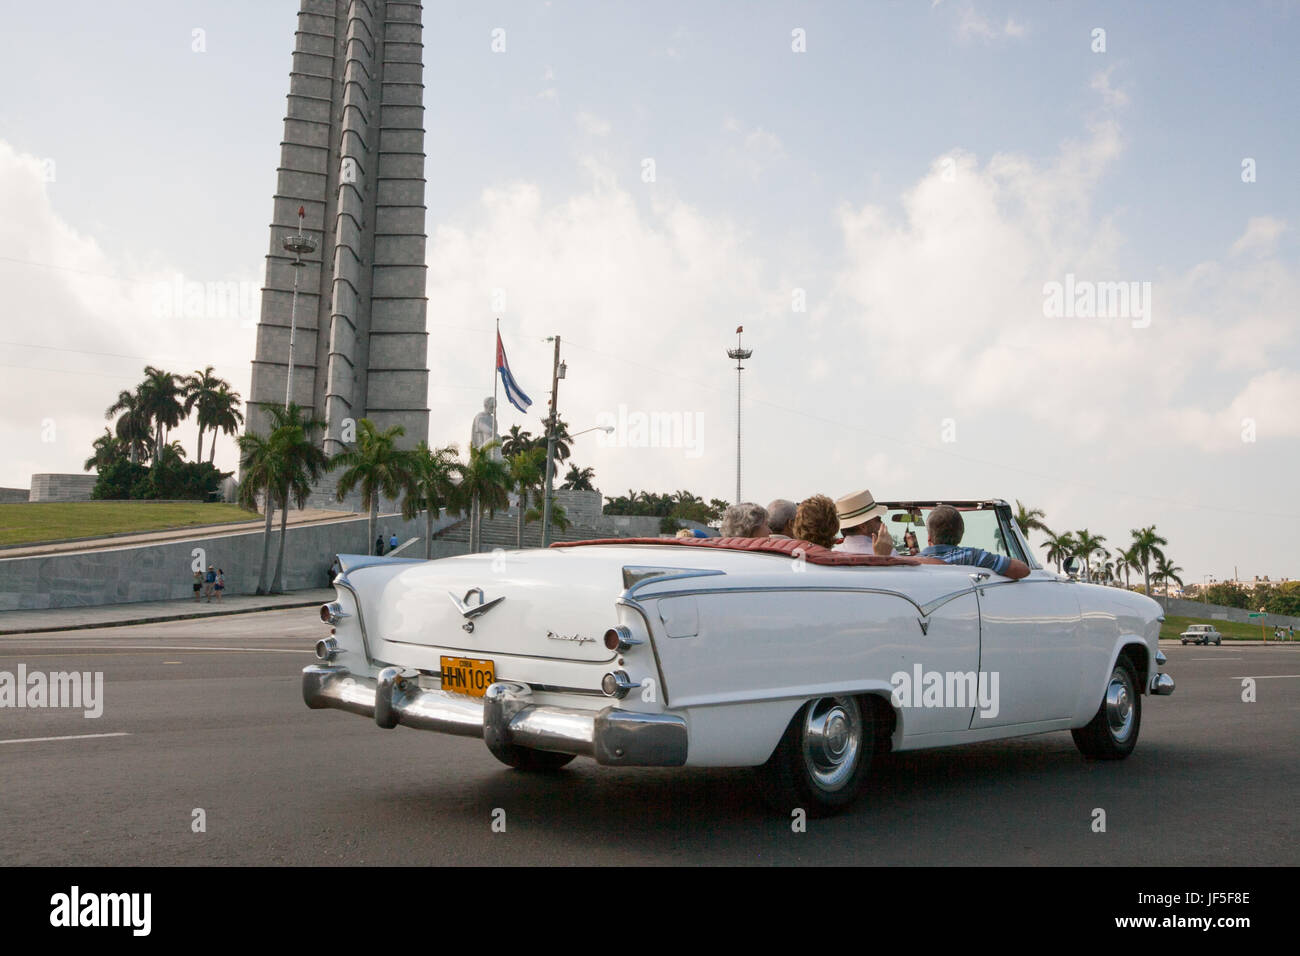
(145, 417)
(283, 466)
(1145, 552)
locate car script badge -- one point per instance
(578, 639)
(471, 611)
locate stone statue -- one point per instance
(484, 430)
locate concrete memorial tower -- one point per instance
(352, 160)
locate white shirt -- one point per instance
(858, 544)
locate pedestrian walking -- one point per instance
(220, 586)
(209, 583)
(392, 542)
(198, 585)
(379, 545)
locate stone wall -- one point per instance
(160, 572)
(580, 507)
(62, 487)
(1182, 607)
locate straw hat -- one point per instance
(858, 508)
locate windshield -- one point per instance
(982, 530)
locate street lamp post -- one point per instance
(298, 245)
(738, 354)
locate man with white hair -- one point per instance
(780, 516)
(745, 520)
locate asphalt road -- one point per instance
(212, 718)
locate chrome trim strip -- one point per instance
(636, 606)
(342, 582)
(670, 574)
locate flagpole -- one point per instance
(494, 377)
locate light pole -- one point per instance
(738, 354)
(1205, 587)
(298, 245)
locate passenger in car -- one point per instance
(745, 520)
(944, 531)
(815, 521)
(860, 521)
(780, 516)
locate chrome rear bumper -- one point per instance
(504, 717)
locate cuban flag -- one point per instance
(514, 394)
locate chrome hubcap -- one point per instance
(832, 741)
(1119, 706)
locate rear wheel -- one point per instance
(536, 761)
(822, 758)
(1113, 731)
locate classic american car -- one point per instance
(776, 654)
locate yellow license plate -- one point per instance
(464, 675)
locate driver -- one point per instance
(944, 530)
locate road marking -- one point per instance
(37, 740)
(171, 662)
(1263, 676)
(1216, 658)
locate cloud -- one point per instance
(81, 323)
(752, 150)
(971, 24)
(1261, 235)
(591, 124)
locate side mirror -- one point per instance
(1070, 565)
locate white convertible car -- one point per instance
(739, 652)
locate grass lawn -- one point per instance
(61, 520)
(1173, 626)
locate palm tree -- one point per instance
(262, 465)
(432, 487)
(224, 415)
(1059, 547)
(197, 390)
(109, 449)
(133, 426)
(1030, 519)
(1167, 572)
(485, 483)
(303, 464)
(1125, 561)
(1146, 546)
(517, 441)
(160, 394)
(527, 472)
(559, 520)
(377, 466)
(562, 440)
(1086, 545)
(579, 479)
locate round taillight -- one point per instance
(325, 613)
(620, 639)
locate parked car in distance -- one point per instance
(1201, 634)
(775, 654)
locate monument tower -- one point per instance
(352, 159)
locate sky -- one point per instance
(896, 200)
